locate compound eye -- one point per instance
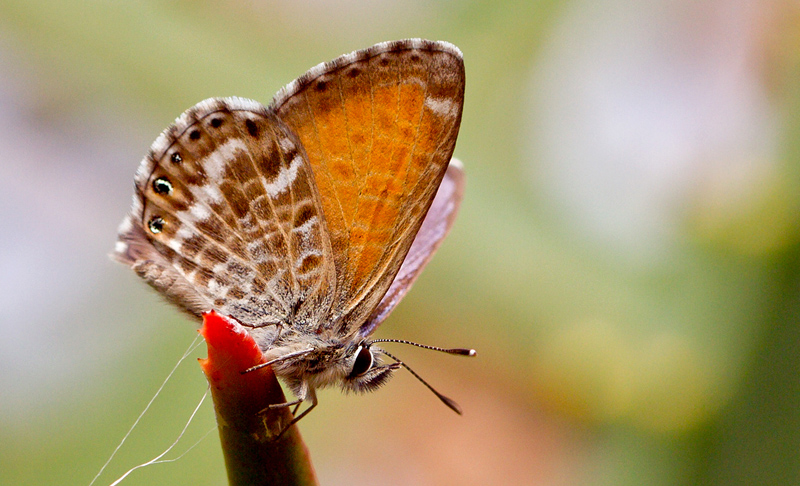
(362, 363)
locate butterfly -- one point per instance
(307, 220)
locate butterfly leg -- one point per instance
(293, 403)
(312, 396)
(277, 324)
(278, 329)
(278, 332)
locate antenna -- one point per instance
(447, 401)
(458, 351)
(278, 360)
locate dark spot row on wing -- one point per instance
(162, 185)
(316, 76)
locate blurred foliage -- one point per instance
(597, 364)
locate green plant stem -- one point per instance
(254, 455)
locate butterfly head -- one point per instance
(355, 366)
(366, 371)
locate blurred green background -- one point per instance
(626, 260)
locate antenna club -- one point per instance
(458, 351)
(451, 404)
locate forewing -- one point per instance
(226, 216)
(437, 224)
(379, 127)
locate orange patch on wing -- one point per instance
(378, 152)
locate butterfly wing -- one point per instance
(379, 127)
(434, 228)
(226, 216)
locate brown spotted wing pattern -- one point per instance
(226, 216)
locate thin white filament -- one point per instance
(156, 460)
(201, 439)
(194, 344)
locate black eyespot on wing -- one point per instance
(176, 158)
(194, 135)
(362, 363)
(216, 122)
(162, 185)
(156, 224)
